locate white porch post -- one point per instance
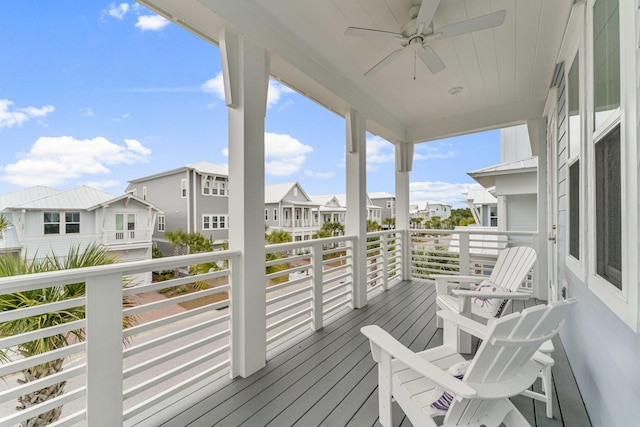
(404, 162)
(356, 220)
(104, 350)
(246, 79)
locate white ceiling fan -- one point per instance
(419, 31)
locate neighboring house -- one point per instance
(193, 198)
(333, 208)
(514, 182)
(484, 207)
(45, 221)
(427, 210)
(287, 207)
(387, 202)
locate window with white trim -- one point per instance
(275, 214)
(72, 222)
(575, 138)
(144, 193)
(51, 223)
(215, 222)
(183, 188)
(161, 223)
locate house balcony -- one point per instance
(178, 362)
(125, 237)
(300, 223)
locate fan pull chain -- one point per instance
(415, 54)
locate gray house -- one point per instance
(387, 202)
(193, 198)
(289, 208)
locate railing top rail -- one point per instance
(474, 231)
(53, 278)
(383, 232)
(279, 247)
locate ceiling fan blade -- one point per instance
(357, 31)
(427, 11)
(470, 25)
(431, 59)
(384, 62)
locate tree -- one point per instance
(335, 228)
(177, 239)
(4, 224)
(275, 237)
(372, 226)
(10, 265)
(389, 222)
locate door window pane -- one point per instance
(606, 59)
(609, 208)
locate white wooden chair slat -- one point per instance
(505, 365)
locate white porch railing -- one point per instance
(181, 343)
(119, 237)
(470, 251)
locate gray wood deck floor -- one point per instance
(328, 378)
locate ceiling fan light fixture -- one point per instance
(456, 90)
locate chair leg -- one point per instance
(547, 388)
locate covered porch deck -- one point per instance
(329, 378)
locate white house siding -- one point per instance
(603, 350)
(522, 212)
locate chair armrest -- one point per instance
(457, 278)
(446, 281)
(462, 293)
(464, 323)
(387, 344)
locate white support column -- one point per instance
(246, 79)
(104, 350)
(404, 162)
(356, 220)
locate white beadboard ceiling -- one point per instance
(504, 72)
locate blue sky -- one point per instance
(99, 93)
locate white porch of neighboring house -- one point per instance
(303, 45)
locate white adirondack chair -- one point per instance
(506, 363)
(487, 297)
(490, 298)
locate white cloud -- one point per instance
(426, 151)
(284, 155)
(15, 117)
(104, 185)
(319, 175)
(379, 151)
(274, 93)
(151, 22)
(118, 11)
(86, 112)
(214, 86)
(54, 160)
(438, 191)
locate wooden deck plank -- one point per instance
(329, 378)
(324, 376)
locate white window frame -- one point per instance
(183, 188)
(624, 303)
(71, 222)
(213, 222)
(45, 223)
(577, 49)
(144, 193)
(161, 223)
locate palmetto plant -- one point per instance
(11, 266)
